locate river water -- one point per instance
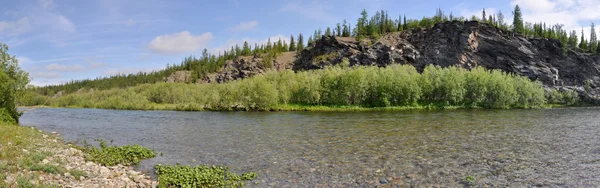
(545, 147)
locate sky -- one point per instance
(57, 41)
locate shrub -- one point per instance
(200, 176)
(113, 155)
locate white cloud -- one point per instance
(478, 13)
(245, 26)
(315, 9)
(46, 4)
(17, 27)
(180, 42)
(45, 75)
(573, 14)
(24, 60)
(64, 68)
(63, 23)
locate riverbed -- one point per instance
(451, 148)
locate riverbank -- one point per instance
(395, 87)
(30, 157)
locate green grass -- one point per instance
(200, 176)
(78, 174)
(114, 155)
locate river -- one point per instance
(540, 147)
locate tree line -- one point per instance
(366, 27)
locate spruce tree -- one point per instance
(246, 49)
(346, 29)
(518, 20)
(483, 16)
(582, 43)
(300, 43)
(292, 44)
(400, 23)
(593, 38)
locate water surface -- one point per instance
(546, 147)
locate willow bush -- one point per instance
(392, 86)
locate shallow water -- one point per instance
(546, 147)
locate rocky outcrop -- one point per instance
(467, 45)
(180, 77)
(248, 66)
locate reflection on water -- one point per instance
(547, 147)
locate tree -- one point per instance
(593, 38)
(300, 42)
(483, 17)
(328, 32)
(400, 23)
(518, 20)
(292, 44)
(346, 29)
(361, 25)
(246, 49)
(13, 81)
(573, 39)
(500, 20)
(583, 43)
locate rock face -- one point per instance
(467, 45)
(180, 77)
(248, 66)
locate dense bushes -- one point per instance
(200, 176)
(12, 83)
(393, 86)
(113, 155)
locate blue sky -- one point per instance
(61, 40)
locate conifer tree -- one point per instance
(483, 16)
(518, 20)
(582, 44)
(300, 42)
(292, 44)
(593, 38)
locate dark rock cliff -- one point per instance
(467, 45)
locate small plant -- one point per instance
(200, 176)
(44, 168)
(23, 182)
(113, 155)
(470, 180)
(77, 174)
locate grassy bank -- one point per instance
(21, 157)
(397, 87)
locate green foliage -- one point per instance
(44, 168)
(392, 86)
(200, 176)
(562, 97)
(518, 20)
(78, 174)
(470, 180)
(23, 182)
(12, 83)
(113, 155)
(6, 117)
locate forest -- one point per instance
(366, 27)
